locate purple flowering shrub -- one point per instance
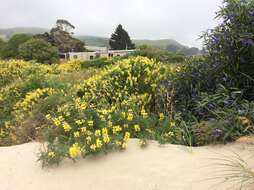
(231, 44)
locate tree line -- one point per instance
(45, 48)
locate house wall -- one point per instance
(98, 54)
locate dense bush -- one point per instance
(159, 55)
(231, 44)
(10, 50)
(216, 90)
(38, 50)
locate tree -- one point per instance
(64, 25)
(60, 37)
(10, 50)
(120, 39)
(2, 45)
(39, 51)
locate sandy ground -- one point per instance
(167, 167)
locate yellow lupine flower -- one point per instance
(51, 154)
(137, 128)
(74, 150)
(130, 117)
(172, 124)
(127, 136)
(162, 116)
(66, 127)
(93, 147)
(124, 145)
(88, 139)
(116, 129)
(142, 142)
(83, 129)
(97, 133)
(144, 114)
(106, 139)
(78, 122)
(76, 134)
(98, 143)
(90, 123)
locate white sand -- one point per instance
(168, 167)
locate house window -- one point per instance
(110, 55)
(91, 57)
(75, 57)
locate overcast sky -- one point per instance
(182, 20)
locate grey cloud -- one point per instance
(182, 20)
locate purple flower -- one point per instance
(242, 60)
(215, 39)
(251, 13)
(217, 133)
(247, 42)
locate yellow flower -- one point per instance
(51, 154)
(123, 114)
(66, 127)
(97, 133)
(76, 134)
(110, 124)
(78, 122)
(119, 143)
(162, 116)
(104, 131)
(98, 143)
(125, 125)
(137, 128)
(88, 139)
(172, 124)
(127, 136)
(124, 145)
(74, 150)
(90, 123)
(142, 142)
(56, 121)
(93, 147)
(83, 129)
(116, 129)
(144, 114)
(130, 117)
(106, 139)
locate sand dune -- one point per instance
(167, 167)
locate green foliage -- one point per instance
(10, 50)
(39, 51)
(120, 39)
(159, 55)
(2, 45)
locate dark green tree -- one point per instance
(39, 51)
(120, 39)
(10, 50)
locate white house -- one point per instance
(95, 52)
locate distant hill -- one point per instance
(8, 32)
(102, 42)
(163, 43)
